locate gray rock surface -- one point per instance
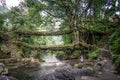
(2, 77)
(67, 73)
(3, 72)
(103, 70)
(3, 69)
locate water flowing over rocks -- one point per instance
(67, 73)
(102, 70)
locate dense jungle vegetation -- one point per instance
(67, 28)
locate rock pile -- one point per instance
(102, 70)
(67, 73)
(3, 69)
(3, 72)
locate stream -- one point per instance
(54, 69)
(49, 66)
(43, 68)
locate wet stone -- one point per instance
(3, 69)
(2, 77)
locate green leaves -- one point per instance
(116, 46)
(117, 64)
(67, 39)
(114, 41)
(1, 20)
(114, 37)
(32, 3)
(93, 53)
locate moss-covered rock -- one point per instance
(79, 65)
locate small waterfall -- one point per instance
(50, 58)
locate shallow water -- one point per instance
(44, 68)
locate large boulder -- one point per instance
(105, 70)
(104, 66)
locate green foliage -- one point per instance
(60, 55)
(39, 57)
(10, 65)
(67, 39)
(117, 64)
(28, 39)
(1, 20)
(114, 41)
(97, 27)
(116, 46)
(116, 50)
(76, 54)
(114, 36)
(93, 53)
(1, 23)
(32, 3)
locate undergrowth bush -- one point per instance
(115, 47)
(93, 53)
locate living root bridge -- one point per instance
(54, 33)
(56, 47)
(44, 33)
